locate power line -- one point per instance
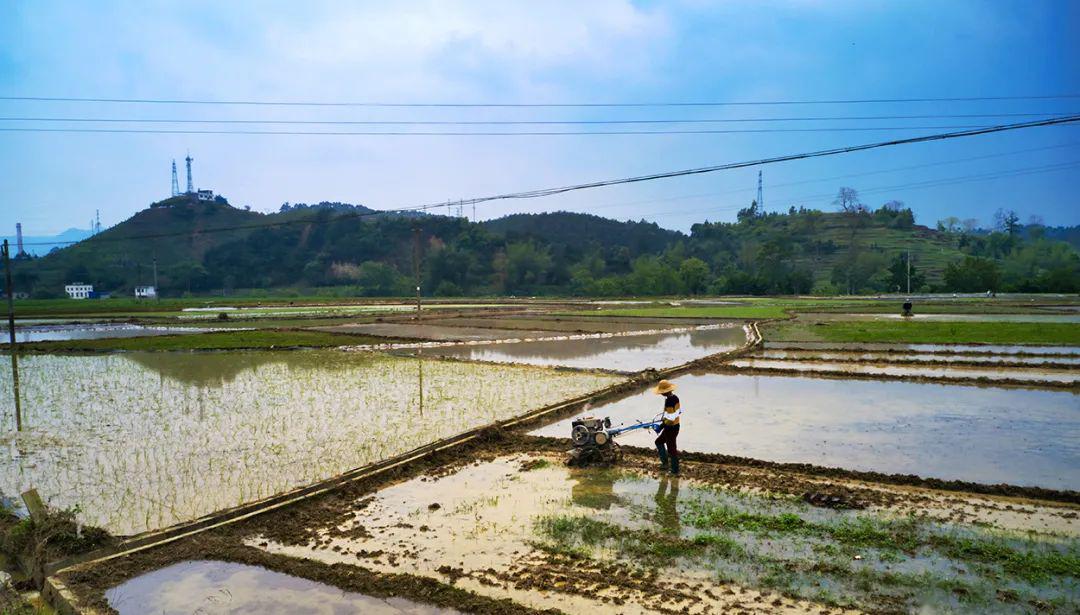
(530, 194)
(933, 183)
(526, 122)
(836, 177)
(281, 103)
(544, 133)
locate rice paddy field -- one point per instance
(852, 462)
(143, 442)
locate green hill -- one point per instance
(206, 248)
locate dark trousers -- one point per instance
(667, 437)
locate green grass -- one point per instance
(222, 340)
(927, 332)
(719, 311)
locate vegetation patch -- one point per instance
(719, 311)
(927, 332)
(218, 340)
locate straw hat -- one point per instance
(663, 387)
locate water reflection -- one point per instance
(989, 435)
(209, 587)
(667, 498)
(595, 489)
(630, 353)
(144, 440)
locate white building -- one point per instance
(205, 195)
(78, 290)
(145, 292)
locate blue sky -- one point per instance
(597, 51)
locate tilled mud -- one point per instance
(325, 518)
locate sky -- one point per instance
(601, 51)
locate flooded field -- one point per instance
(211, 588)
(946, 372)
(629, 353)
(144, 440)
(990, 435)
(556, 324)
(324, 310)
(924, 348)
(61, 332)
(597, 540)
(926, 357)
(435, 333)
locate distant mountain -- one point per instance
(48, 242)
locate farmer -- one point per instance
(669, 429)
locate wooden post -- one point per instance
(416, 267)
(10, 295)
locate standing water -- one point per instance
(988, 435)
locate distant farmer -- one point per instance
(669, 429)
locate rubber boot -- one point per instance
(675, 466)
(663, 456)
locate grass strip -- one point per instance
(218, 340)
(719, 311)
(928, 332)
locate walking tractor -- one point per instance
(594, 440)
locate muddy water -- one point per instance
(630, 353)
(210, 588)
(934, 348)
(144, 440)
(825, 355)
(1025, 374)
(435, 333)
(482, 519)
(485, 520)
(48, 333)
(989, 435)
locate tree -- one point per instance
(972, 275)
(1007, 221)
(847, 200)
(694, 273)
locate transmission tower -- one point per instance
(175, 182)
(190, 185)
(760, 195)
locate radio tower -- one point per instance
(18, 238)
(97, 221)
(760, 196)
(175, 182)
(190, 186)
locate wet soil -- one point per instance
(1029, 374)
(1005, 349)
(1012, 507)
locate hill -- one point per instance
(577, 229)
(340, 249)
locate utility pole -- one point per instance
(155, 277)
(10, 296)
(416, 266)
(909, 272)
(760, 196)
